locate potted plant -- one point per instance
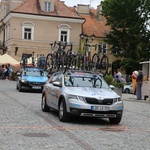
(118, 86)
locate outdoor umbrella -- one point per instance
(7, 59)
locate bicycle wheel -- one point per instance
(95, 60)
(77, 57)
(49, 63)
(104, 64)
(71, 62)
(61, 59)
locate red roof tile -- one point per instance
(33, 7)
(93, 26)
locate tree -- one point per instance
(130, 29)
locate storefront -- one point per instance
(146, 80)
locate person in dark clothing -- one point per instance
(139, 81)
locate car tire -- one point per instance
(44, 105)
(114, 120)
(16, 87)
(127, 91)
(63, 117)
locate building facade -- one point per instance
(29, 26)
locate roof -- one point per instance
(33, 7)
(93, 26)
(145, 62)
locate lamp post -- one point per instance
(87, 39)
(32, 58)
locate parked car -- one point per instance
(31, 78)
(127, 88)
(83, 94)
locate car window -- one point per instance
(89, 81)
(36, 73)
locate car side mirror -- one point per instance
(57, 84)
(112, 87)
(18, 73)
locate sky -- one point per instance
(92, 3)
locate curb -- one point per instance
(131, 97)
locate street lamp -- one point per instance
(87, 39)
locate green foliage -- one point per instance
(116, 84)
(129, 36)
(110, 81)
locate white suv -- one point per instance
(83, 94)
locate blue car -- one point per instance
(31, 78)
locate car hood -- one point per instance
(35, 79)
(92, 92)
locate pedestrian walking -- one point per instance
(139, 81)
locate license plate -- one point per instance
(36, 87)
(99, 108)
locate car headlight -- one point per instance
(24, 81)
(117, 100)
(76, 98)
(82, 98)
(73, 97)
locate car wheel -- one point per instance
(127, 91)
(44, 105)
(114, 120)
(62, 111)
(17, 87)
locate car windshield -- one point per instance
(36, 73)
(87, 81)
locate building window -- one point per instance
(47, 6)
(27, 33)
(63, 36)
(28, 30)
(64, 33)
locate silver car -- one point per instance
(83, 94)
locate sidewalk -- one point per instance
(132, 97)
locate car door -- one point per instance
(52, 94)
(58, 90)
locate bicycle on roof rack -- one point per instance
(70, 58)
(56, 59)
(59, 59)
(85, 60)
(100, 61)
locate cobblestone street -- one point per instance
(23, 126)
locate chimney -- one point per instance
(62, 2)
(99, 12)
(83, 9)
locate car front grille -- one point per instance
(36, 83)
(99, 102)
